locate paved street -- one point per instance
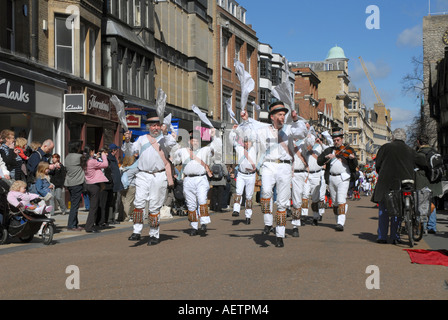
(234, 261)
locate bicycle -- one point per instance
(412, 221)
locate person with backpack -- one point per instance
(429, 175)
(218, 183)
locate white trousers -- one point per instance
(338, 190)
(300, 190)
(244, 183)
(195, 193)
(279, 175)
(151, 189)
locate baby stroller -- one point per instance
(22, 223)
(179, 208)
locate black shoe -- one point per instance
(339, 227)
(193, 232)
(267, 229)
(204, 229)
(247, 220)
(279, 242)
(397, 241)
(134, 237)
(381, 241)
(235, 214)
(320, 218)
(431, 231)
(314, 223)
(295, 232)
(302, 222)
(93, 231)
(153, 241)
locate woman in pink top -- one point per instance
(94, 180)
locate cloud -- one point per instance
(411, 37)
(401, 117)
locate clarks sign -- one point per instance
(17, 93)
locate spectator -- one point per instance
(10, 155)
(43, 185)
(217, 197)
(42, 153)
(75, 163)
(95, 180)
(422, 181)
(129, 171)
(57, 178)
(395, 162)
(21, 145)
(117, 186)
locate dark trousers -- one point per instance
(217, 198)
(75, 200)
(94, 196)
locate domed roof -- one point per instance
(336, 53)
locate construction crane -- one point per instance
(380, 101)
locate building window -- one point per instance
(225, 51)
(237, 50)
(352, 121)
(107, 66)
(265, 69)
(64, 45)
(10, 26)
(137, 14)
(248, 59)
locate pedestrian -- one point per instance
(10, 155)
(340, 161)
(57, 178)
(21, 145)
(246, 156)
(154, 177)
(196, 170)
(43, 153)
(218, 182)
(395, 162)
(422, 181)
(129, 169)
(276, 143)
(44, 188)
(117, 186)
(75, 164)
(95, 180)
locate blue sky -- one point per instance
(306, 30)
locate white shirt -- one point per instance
(149, 159)
(194, 167)
(244, 163)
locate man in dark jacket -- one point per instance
(395, 162)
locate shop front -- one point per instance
(96, 123)
(30, 104)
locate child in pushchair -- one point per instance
(19, 198)
(24, 214)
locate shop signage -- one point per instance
(17, 93)
(74, 102)
(134, 120)
(98, 104)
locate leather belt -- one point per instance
(335, 174)
(297, 171)
(280, 161)
(246, 172)
(152, 172)
(195, 175)
(315, 171)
